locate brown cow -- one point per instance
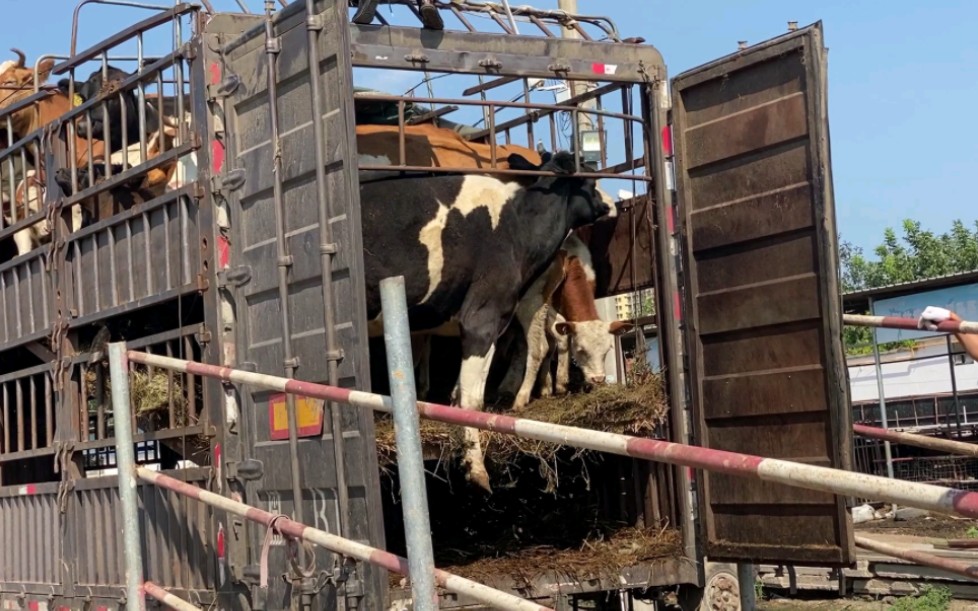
(427, 145)
(17, 83)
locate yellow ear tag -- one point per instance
(77, 100)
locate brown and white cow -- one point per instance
(562, 320)
(17, 82)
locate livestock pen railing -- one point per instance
(926, 496)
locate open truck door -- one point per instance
(754, 187)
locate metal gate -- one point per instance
(297, 292)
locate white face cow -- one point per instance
(590, 342)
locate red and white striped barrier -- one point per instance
(846, 483)
(171, 601)
(296, 530)
(897, 322)
(920, 557)
(921, 441)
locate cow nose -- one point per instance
(597, 379)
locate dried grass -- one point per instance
(150, 395)
(636, 409)
(602, 557)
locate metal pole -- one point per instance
(882, 402)
(496, 599)
(407, 432)
(954, 386)
(910, 324)
(947, 564)
(836, 481)
(126, 463)
(921, 441)
(745, 582)
(170, 600)
(583, 119)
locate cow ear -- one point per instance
(519, 162)
(564, 328)
(619, 326)
(63, 85)
(44, 70)
(562, 163)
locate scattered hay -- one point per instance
(603, 557)
(150, 396)
(637, 409)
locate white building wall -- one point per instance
(909, 379)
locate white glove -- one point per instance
(933, 316)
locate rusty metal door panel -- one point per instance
(30, 539)
(106, 261)
(25, 300)
(254, 262)
(622, 263)
(178, 537)
(758, 223)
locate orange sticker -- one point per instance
(308, 412)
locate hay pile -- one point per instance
(150, 395)
(637, 409)
(603, 557)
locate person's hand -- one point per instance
(933, 316)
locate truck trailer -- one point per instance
(252, 258)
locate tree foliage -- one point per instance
(917, 255)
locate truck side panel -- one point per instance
(254, 259)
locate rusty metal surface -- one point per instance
(754, 183)
(30, 537)
(259, 341)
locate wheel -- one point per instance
(721, 591)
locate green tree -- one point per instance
(917, 255)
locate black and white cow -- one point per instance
(468, 248)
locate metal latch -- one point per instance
(232, 180)
(225, 88)
(247, 470)
(235, 276)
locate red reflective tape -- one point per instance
(671, 220)
(717, 461)
(223, 252)
(215, 72)
(217, 156)
(667, 141)
(220, 541)
(677, 309)
(32, 605)
(27, 490)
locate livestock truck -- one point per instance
(726, 213)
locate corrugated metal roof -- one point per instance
(915, 286)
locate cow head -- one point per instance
(590, 342)
(109, 84)
(17, 80)
(585, 200)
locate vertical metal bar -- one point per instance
(882, 402)
(126, 462)
(745, 579)
(954, 386)
(284, 260)
(410, 463)
(141, 98)
(327, 249)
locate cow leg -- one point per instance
(422, 360)
(563, 365)
(536, 351)
(24, 241)
(472, 384)
(546, 378)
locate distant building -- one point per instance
(629, 305)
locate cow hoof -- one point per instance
(479, 477)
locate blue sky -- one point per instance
(903, 86)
